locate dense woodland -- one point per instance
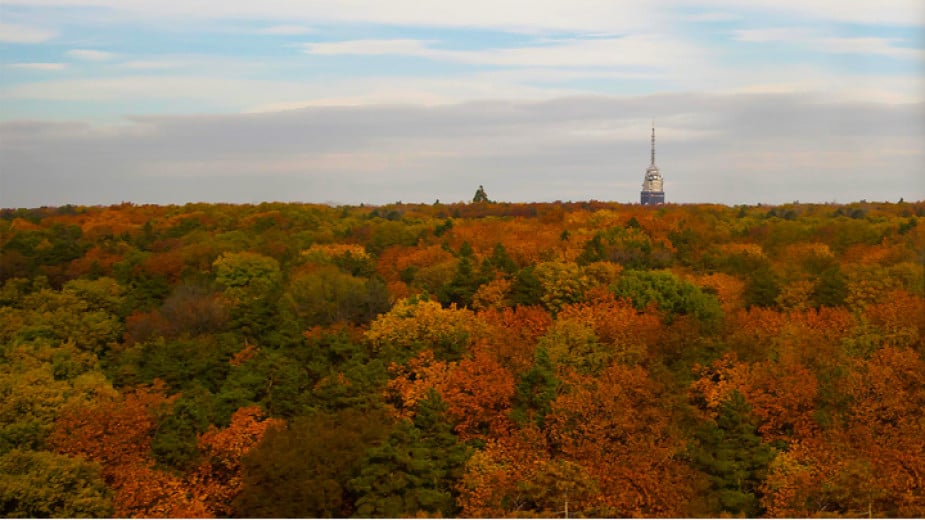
(483, 359)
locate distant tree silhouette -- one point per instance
(480, 195)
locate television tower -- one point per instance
(652, 193)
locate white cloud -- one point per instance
(646, 50)
(527, 15)
(876, 46)
(39, 66)
(90, 54)
(263, 95)
(811, 39)
(221, 89)
(406, 97)
(285, 30)
(146, 87)
(828, 85)
(888, 12)
(13, 33)
(774, 34)
(548, 66)
(373, 47)
(517, 15)
(152, 64)
(713, 17)
(650, 50)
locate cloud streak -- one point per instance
(524, 15)
(643, 49)
(90, 55)
(809, 39)
(39, 66)
(285, 30)
(518, 15)
(731, 149)
(15, 33)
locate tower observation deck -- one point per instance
(652, 191)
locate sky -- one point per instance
(373, 101)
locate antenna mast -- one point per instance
(653, 142)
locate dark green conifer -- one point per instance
(480, 195)
(414, 470)
(536, 390)
(735, 458)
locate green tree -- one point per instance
(274, 379)
(761, 288)
(36, 382)
(572, 343)
(526, 288)
(327, 373)
(252, 286)
(63, 243)
(40, 484)
(344, 373)
(731, 452)
(629, 246)
(103, 294)
(831, 288)
(329, 295)
(536, 390)
(480, 195)
(444, 228)
(301, 471)
(416, 469)
(672, 295)
(247, 275)
(186, 362)
(499, 261)
(175, 442)
(563, 283)
(143, 290)
(82, 313)
(465, 282)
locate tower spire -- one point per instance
(653, 142)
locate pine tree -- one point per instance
(498, 261)
(536, 390)
(465, 282)
(480, 195)
(415, 470)
(734, 457)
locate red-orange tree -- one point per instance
(618, 425)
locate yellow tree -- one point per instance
(413, 325)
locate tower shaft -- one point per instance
(653, 143)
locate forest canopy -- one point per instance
(477, 360)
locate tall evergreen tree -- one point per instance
(536, 390)
(732, 454)
(415, 469)
(465, 282)
(499, 261)
(480, 195)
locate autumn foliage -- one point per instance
(585, 359)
